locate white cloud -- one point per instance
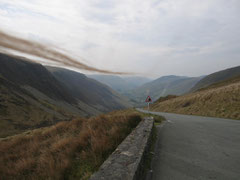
(161, 37)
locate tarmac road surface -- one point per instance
(195, 147)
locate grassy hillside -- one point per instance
(218, 100)
(20, 110)
(89, 91)
(33, 97)
(67, 150)
(165, 98)
(24, 73)
(217, 77)
(175, 85)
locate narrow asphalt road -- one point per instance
(195, 147)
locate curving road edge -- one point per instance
(196, 148)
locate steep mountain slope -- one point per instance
(221, 99)
(217, 77)
(175, 85)
(31, 96)
(89, 91)
(23, 73)
(121, 84)
(20, 110)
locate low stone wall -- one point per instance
(127, 161)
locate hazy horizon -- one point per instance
(149, 38)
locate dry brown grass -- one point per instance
(222, 101)
(67, 150)
(168, 97)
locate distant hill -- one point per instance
(217, 77)
(31, 96)
(121, 84)
(163, 86)
(89, 91)
(221, 99)
(136, 81)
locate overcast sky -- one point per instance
(151, 37)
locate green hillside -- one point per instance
(31, 96)
(89, 91)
